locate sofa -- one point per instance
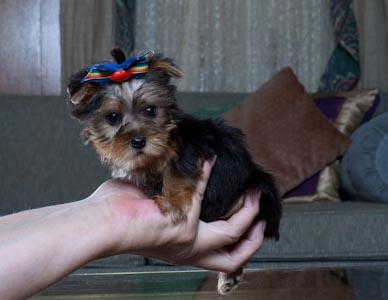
(43, 162)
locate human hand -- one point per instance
(137, 226)
(118, 218)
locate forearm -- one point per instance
(47, 245)
(27, 216)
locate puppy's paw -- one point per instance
(177, 213)
(228, 282)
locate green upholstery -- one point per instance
(43, 161)
(209, 105)
(324, 232)
(42, 158)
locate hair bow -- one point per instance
(131, 68)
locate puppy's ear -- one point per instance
(75, 84)
(118, 55)
(164, 68)
(83, 98)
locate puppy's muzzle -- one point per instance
(138, 142)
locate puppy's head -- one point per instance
(128, 123)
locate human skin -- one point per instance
(41, 246)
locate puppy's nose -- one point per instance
(138, 142)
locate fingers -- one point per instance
(218, 234)
(243, 218)
(229, 260)
(241, 252)
(200, 190)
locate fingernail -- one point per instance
(210, 162)
(213, 160)
(247, 201)
(262, 226)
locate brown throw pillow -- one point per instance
(354, 108)
(285, 132)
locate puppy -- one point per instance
(131, 118)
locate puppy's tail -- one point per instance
(271, 212)
(270, 204)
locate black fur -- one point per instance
(234, 173)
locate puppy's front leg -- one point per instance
(176, 197)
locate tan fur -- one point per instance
(85, 93)
(168, 68)
(176, 197)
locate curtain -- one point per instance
(125, 25)
(87, 33)
(30, 57)
(343, 69)
(235, 46)
(372, 23)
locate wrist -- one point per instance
(110, 224)
(129, 221)
(98, 228)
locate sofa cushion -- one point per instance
(285, 132)
(346, 111)
(209, 105)
(365, 164)
(329, 232)
(43, 160)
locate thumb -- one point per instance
(200, 189)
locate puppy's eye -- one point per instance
(113, 119)
(151, 111)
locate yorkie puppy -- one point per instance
(131, 117)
